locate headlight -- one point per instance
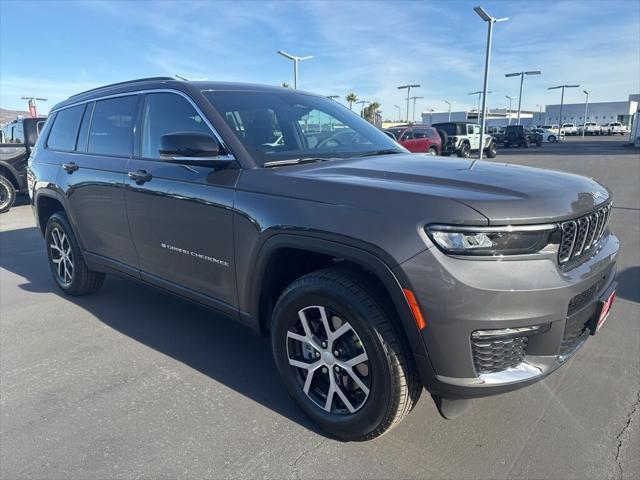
(491, 241)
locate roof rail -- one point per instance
(149, 79)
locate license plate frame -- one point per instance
(605, 302)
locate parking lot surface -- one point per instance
(131, 382)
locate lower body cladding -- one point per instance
(498, 325)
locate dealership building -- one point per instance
(598, 112)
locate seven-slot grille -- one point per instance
(581, 235)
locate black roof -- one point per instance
(164, 82)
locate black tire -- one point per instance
(81, 280)
(552, 139)
(464, 151)
(444, 136)
(432, 151)
(492, 150)
(7, 194)
(394, 388)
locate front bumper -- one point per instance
(460, 296)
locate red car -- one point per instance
(417, 138)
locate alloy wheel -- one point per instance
(61, 255)
(329, 360)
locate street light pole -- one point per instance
(399, 113)
(413, 117)
(363, 103)
(561, 105)
(449, 103)
(490, 21)
(430, 111)
(540, 114)
(295, 60)
(510, 99)
(522, 74)
(408, 87)
(479, 93)
(586, 106)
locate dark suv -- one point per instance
(17, 139)
(375, 272)
(521, 136)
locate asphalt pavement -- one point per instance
(134, 383)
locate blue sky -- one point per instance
(54, 49)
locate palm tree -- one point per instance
(370, 112)
(351, 98)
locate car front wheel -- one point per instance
(66, 262)
(340, 356)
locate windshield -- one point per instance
(289, 125)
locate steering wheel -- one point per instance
(328, 142)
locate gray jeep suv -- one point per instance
(376, 272)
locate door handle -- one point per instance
(140, 176)
(70, 167)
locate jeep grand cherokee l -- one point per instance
(376, 272)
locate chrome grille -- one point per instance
(582, 234)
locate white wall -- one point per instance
(601, 113)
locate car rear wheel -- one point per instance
(552, 138)
(432, 151)
(492, 151)
(339, 355)
(465, 151)
(66, 262)
(7, 194)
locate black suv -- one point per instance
(521, 136)
(376, 272)
(17, 138)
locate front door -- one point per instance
(181, 216)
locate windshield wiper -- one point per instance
(386, 151)
(294, 161)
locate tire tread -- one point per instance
(405, 384)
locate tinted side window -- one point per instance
(111, 130)
(18, 133)
(167, 113)
(65, 128)
(408, 135)
(421, 134)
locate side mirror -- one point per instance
(191, 148)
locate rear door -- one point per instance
(408, 141)
(181, 216)
(93, 143)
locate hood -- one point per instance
(504, 193)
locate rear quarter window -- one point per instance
(65, 129)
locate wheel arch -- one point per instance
(46, 202)
(325, 252)
(10, 173)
